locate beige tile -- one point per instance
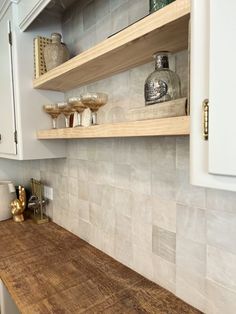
(164, 243)
(191, 256)
(95, 193)
(108, 222)
(122, 202)
(143, 262)
(83, 208)
(219, 299)
(221, 230)
(102, 8)
(91, 149)
(101, 172)
(72, 148)
(123, 227)
(122, 176)
(104, 150)
(140, 181)
(182, 70)
(142, 236)
(138, 76)
(119, 18)
(114, 4)
(187, 193)
(73, 168)
(191, 288)
(141, 153)
(182, 153)
(163, 182)
(89, 18)
(122, 150)
(191, 223)
(138, 10)
(72, 186)
(141, 206)
(84, 229)
(164, 213)
(72, 207)
(120, 88)
(96, 237)
(108, 195)
(82, 190)
(164, 273)
(103, 29)
(109, 244)
(82, 169)
(82, 151)
(124, 251)
(221, 200)
(102, 241)
(164, 153)
(95, 213)
(221, 267)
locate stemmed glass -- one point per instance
(94, 101)
(79, 107)
(54, 111)
(67, 110)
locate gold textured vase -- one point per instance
(55, 53)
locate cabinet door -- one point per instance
(222, 126)
(213, 24)
(7, 112)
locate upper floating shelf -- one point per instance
(164, 30)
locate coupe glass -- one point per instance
(67, 110)
(79, 107)
(94, 101)
(54, 111)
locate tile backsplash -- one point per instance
(108, 192)
(131, 197)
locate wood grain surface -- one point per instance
(49, 270)
(152, 127)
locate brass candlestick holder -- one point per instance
(18, 206)
(37, 203)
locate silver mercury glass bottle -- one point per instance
(162, 84)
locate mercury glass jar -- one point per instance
(158, 4)
(55, 53)
(162, 84)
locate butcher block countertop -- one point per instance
(47, 269)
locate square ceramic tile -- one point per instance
(191, 223)
(164, 243)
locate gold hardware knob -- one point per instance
(205, 110)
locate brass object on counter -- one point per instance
(18, 206)
(37, 203)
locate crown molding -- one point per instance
(4, 5)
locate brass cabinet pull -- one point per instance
(205, 110)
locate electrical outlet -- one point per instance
(48, 192)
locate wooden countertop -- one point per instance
(49, 270)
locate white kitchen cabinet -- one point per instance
(7, 106)
(213, 64)
(28, 10)
(21, 105)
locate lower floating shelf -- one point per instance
(154, 127)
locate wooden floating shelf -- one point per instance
(154, 127)
(164, 30)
